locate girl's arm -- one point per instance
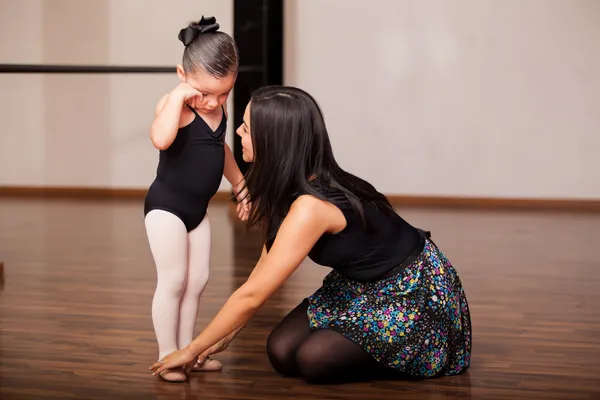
(231, 171)
(168, 113)
(234, 175)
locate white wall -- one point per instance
(466, 98)
(497, 98)
(89, 130)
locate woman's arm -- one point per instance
(257, 267)
(303, 226)
(222, 345)
(306, 221)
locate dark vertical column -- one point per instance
(258, 32)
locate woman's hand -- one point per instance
(179, 358)
(220, 346)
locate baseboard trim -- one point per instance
(592, 205)
(83, 192)
(528, 204)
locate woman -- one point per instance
(393, 303)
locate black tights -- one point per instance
(322, 356)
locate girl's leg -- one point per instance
(167, 237)
(198, 266)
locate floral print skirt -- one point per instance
(416, 322)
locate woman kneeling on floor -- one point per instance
(393, 304)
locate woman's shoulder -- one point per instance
(310, 204)
(311, 213)
(327, 193)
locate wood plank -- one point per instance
(79, 278)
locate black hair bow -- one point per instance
(187, 35)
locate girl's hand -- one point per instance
(244, 204)
(189, 95)
(243, 209)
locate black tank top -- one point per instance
(364, 254)
(195, 160)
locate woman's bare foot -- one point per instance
(207, 365)
(173, 375)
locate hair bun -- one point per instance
(187, 35)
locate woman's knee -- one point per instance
(281, 355)
(285, 339)
(309, 364)
(328, 357)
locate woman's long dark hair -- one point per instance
(293, 155)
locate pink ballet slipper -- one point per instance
(208, 365)
(173, 375)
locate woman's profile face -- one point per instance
(244, 133)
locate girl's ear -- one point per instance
(181, 73)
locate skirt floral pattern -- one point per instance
(416, 322)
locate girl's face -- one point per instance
(244, 133)
(215, 91)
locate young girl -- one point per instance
(189, 130)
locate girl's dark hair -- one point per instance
(293, 155)
(207, 48)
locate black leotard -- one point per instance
(189, 172)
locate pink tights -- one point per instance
(182, 265)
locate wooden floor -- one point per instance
(78, 282)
